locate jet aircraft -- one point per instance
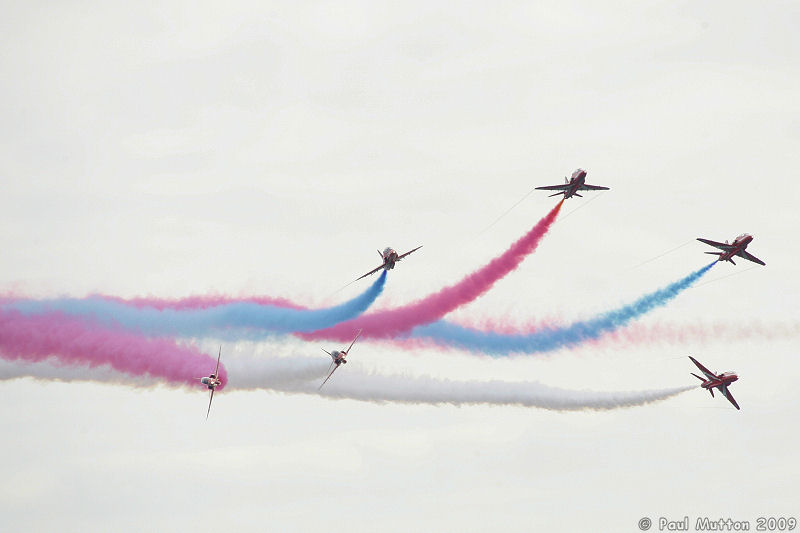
(571, 186)
(718, 381)
(737, 247)
(338, 358)
(389, 257)
(212, 382)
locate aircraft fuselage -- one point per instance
(211, 382)
(577, 179)
(389, 258)
(740, 245)
(722, 380)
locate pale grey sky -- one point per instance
(184, 148)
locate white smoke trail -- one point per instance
(302, 375)
(52, 369)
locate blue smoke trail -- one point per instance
(549, 339)
(253, 318)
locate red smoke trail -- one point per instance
(697, 332)
(72, 340)
(200, 301)
(392, 322)
(702, 332)
(203, 301)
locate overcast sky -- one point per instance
(173, 148)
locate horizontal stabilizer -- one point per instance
(698, 377)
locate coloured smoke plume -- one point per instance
(247, 317)
(393, 322)
(200, 301)
(703, 331)
(303, 375)
(550, 338)
(72, 340)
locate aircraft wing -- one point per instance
(587, 187)
(720, 245)
(209, 403)
(399, 257)
(329, 376)
(216, 370)
(347, 351)
(561, 187)
(369, 273)
(751, 257)
(724, 390)
(708, 373)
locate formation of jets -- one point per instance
(570, 188)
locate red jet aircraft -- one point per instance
(737, 247)
(389, 257)
(712, 381)
(571, 186)
(338, 358)
(212, 382)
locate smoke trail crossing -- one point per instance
(203, 301)
(393, 322)
(249, 318)
(75, 341)
(553, 338)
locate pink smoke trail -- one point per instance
(72, 340)
(392, 322)
(694, 333)
(199, 301)
(703, 332)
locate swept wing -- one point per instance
(724, 390)
(708, 373)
